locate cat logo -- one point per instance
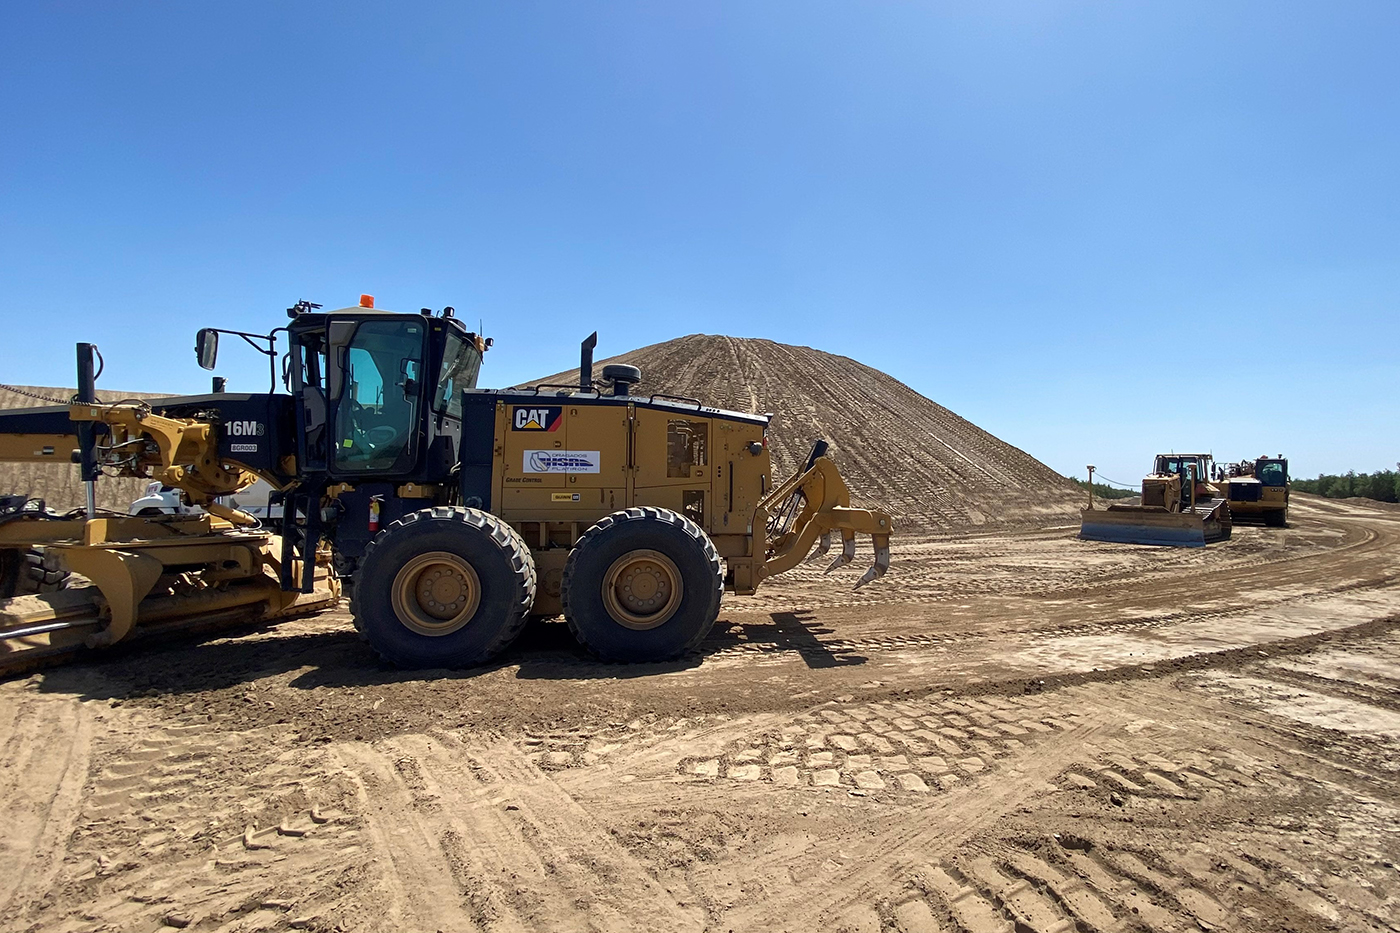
(537, 419)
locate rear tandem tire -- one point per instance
(444, 587)
(643, 584)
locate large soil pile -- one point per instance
(896, 448)
(58, 484)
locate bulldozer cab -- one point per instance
(1197, 465)
(1175, 464)
(379, 394)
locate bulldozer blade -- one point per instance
(877, 569)
(848, 554)
(1150, 525)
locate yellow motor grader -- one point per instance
(454, 512)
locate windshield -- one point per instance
(461, 362)
(1178, 464)
(1272, 472)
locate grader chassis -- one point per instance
(457, 512)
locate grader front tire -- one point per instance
(30, 572)
(444, 587)
(643, 584)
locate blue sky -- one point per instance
(1097, 230)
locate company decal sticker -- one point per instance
(566, 497)
(563, 461)
(243, 448)
(538, 418)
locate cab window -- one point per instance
(461, 362)
(1272, 473)
(377, 412)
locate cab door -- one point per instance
(376, 382)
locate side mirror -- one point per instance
(206, 347)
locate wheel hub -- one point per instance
(436, 593)
(642, 589)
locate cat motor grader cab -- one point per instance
(1258, 490)
(1179, 508)
(456, 512)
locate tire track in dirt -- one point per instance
(45, 747)
(170, 822)
(923, 833)
(936, 573)
(1001, 752)
(481, 837)
(1369, 557)
(1033, 840)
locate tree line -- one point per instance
(1103, 492)
(1383, 485)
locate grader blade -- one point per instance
(139, 579)
(812, 505)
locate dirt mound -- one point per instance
(58, 484)
(930, 468)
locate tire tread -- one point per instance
(505, 537)
(641, 513)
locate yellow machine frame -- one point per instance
(725, 486)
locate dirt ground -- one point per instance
(1011, 732)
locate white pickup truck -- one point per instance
(167, 500)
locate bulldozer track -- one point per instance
(968, 876)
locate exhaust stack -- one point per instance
(585, 363)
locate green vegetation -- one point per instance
(1104, 492)
(1383, 485)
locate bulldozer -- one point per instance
(1257, 490)
(450, 513)
(1179, 508)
